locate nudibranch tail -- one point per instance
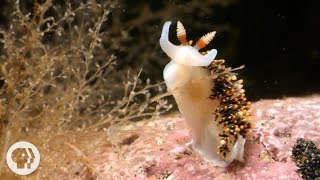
(205, 40)
(181, 33)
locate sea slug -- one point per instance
(209, 96)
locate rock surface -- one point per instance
(157, 150)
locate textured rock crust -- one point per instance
(159, 150)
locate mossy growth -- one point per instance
(306, 155)
(60, 89)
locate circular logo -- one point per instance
(23, 158)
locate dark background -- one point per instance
(277, 41)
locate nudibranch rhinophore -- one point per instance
(209, 96)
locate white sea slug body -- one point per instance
(209, 96)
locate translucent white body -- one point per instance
(191, 86)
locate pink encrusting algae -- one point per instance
(160, 151)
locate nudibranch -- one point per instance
(209, 97)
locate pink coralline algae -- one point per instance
(160, 151)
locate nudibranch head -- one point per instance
(186, 54)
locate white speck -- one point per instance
(159, 140)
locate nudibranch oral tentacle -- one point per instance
(209, 96)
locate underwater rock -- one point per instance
(160, 151)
